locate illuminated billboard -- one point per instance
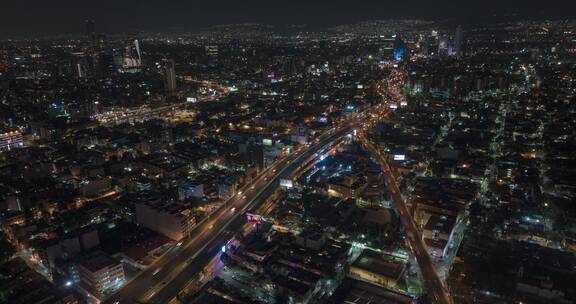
(191, 99)
(267, 142)
(254, 218)
(286, 183)
(400, 157)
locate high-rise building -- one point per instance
(169, 71)
(212, 53)
(399, 48)
(90, 27)
(3, 61)
(173, 220)
(458, 41)
(100, 275)
(106, 64)
(432, 42)
(422, 45)
(132, 57)
(300, 134)
(81, 67)
(90, 32)
(443, 45)
(226, 188)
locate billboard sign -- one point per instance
(400, 157)
(254, 218)
(286, 183)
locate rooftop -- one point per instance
(380, 264)
(98, 261)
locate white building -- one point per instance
(100, 275)
(169, 219)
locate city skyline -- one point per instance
(239, 157)
(113, 16)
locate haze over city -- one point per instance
(114, 16)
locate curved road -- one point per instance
(163, 280)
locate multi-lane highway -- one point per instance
(226, 222)
(163, 280)
(432, 281)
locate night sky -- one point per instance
(117, 15)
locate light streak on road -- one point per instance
(431, 279)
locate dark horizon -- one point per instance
(32, 16)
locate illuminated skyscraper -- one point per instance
(212, 53)
(399, 48)
(132, 57)
(443, 45)
(79, 65)
(169, 71)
